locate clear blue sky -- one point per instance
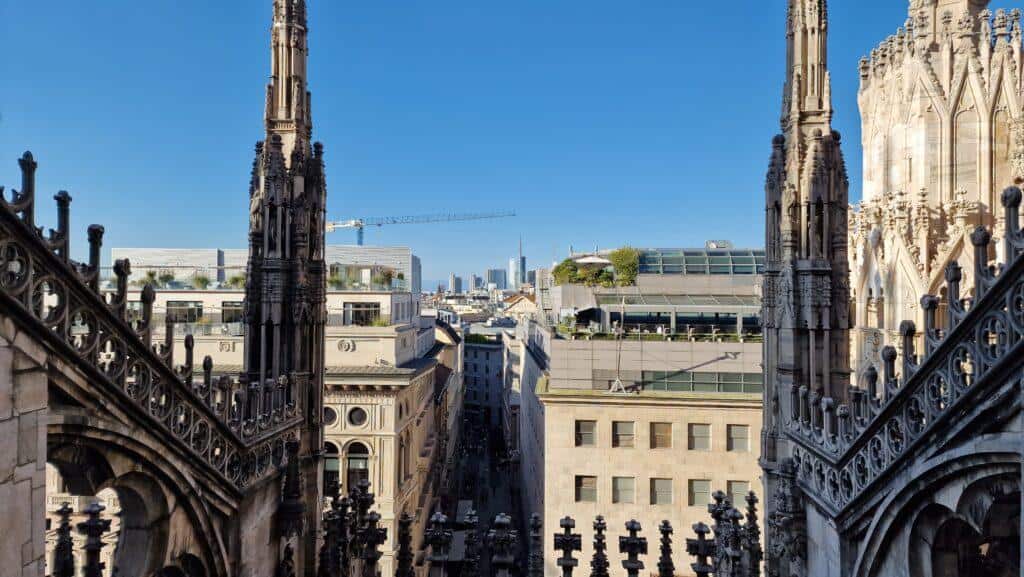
(601, 122)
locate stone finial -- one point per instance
(63, 553)
(93, 528)
(187, 370)
(24, 199)
(328, 563)
(703, 549)
(439, 537)
(502, 539)
(147, 297)
(567, 542)
(752, 538)
(599, 562)
(871, 378)
(404, 555)
(666, 568)
(535, 555)
(889, 370)
(342, 517)
(633, 545)
(373, 537)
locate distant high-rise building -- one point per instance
(498, 277)
(474, 282)
(531, 277)
(513, 273)
(458, 285)
(451, 282)
(521, 265)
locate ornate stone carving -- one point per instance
(786, 526)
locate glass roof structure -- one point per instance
(678, 300)
(701, 261)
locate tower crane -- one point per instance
(361, 223)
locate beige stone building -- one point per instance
(643, 400)
(393, 390)
(943, 136)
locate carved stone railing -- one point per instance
(843, 449)
(238, 429)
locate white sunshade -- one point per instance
(592, 260)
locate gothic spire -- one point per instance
(288, 100)
(808, 98)
(806, 282)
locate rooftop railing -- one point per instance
(844, 449)
(236, 429)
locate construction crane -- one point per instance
(361, 223)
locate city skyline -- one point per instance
(571, 140)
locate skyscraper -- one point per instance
(513, 273)
(498, 277)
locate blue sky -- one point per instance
(600, 122)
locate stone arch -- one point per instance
(163, 505)
(931, 494)
(924, 529)
(141, 528)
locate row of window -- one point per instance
(698, 491)
(698, 436)
(702, 382)
(192, 311)
(474, 368)
(356, 417)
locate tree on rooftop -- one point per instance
(237, 281)
(201, 282)
(626, 261)
(565, 272)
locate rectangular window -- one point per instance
(661, 491)
(699, 492)
(700, 437)
(661, 435)
(738, 492)
(184, 311)
(586, 489)
(622, 433)
(623, 490)
(231, 311)
(586, 433)
(361, 314)
(739, 438)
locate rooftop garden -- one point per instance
(625, 264)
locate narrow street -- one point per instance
(486, 484)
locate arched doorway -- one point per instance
(357, 465)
